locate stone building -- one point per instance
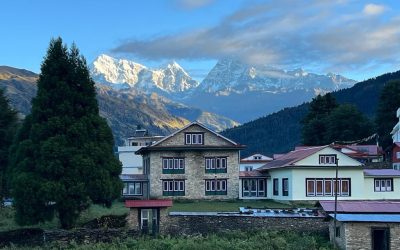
(192, 163)
(364, 224)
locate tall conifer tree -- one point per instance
(8, 122)
(63, 158)
(389, 102)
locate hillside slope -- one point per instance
(281, 131)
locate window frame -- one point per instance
(216, 187)
(173, 187)
(285, 188)
(386, 181)
(332, 182)
(275, 186)
(327, 159)
(194, 138)
(136, 185)
(216, 164)
(173, 165)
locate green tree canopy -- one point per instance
(314, 124)
(386, 119)
(62, 159)
(8, 122)
(327, 122)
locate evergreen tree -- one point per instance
(347, 123)
(8, 122)
(62, 159)
(386, 119)
(314, 124)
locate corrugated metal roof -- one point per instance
(367, 217)
(134, 177)
(361, 206)
(254, 173)
(148, 203)
(292, 157)
(381, 172)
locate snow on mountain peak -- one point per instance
(121, 73)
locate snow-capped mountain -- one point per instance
(122, 74)
(231, 76)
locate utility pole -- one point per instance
(336, 192)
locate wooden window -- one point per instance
(285, 186)
(215, 165)
(327, 159)
(310, 187)
(319, 187)
(383, 185)
(132, 188)
(276, 186)
(328, 187)
(216, 187)
(173, 165)
(194, 139)
(173, 187)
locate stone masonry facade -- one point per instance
(195, 175)
(355, 235)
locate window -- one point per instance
(337, 232)
(285, 187)
(173, 187)
(132, 188)
(328, 187)
(173, 165)
(248, 168)
(215, 165)
(327, 159)
(257, 157)
(276, 186)
(216, 187)
(398, 155)
(383, 185)
(194, 139)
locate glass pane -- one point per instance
(138, 188)
(181, 186)
(131, 188)
(194, 139)
(388, 185)
(218, 162)
(377, 185)
(125, 190)
(181, 164)
(253, 185)
(171, 185)
(328, 187)
(165, 184)
(223, 163)
(188, 139)
(319, 184)
(218, 185)
(310, 188)
(207, 185)
(223, 185)
(246, 185)
(212, 185)
(285, 185)
(165, 163)
(171, 163)
(261, 185)
(345, 187)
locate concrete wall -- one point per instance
(313, 160)
(297, 183)
(131, 163)
(359, 235)
(195, 175)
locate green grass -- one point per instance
(229, 241)
(222, 206)
(7, 215)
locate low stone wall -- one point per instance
(38, 237)
(203, 224)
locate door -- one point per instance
(149, 222)
(380, 239)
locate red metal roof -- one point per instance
(361, 206)
(148, 203)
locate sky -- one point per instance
(358, 39)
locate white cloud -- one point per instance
(193, 4)
(285, 33)
(373, 9)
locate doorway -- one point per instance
(149, 221)
(380, 239)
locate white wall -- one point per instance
(131, 163)
(254, 165)
(369, 189)
(280, 174)
(313, 160)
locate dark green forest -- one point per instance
(281, 131)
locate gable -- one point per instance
(210, 138)
(313, 160)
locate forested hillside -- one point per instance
(281, 131)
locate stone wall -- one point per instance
(195, 175)
(197, 224)
(359, 235)
(39, 237)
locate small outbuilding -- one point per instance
(364, 224)
(146, 216)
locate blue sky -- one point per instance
(359, 39)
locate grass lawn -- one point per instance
(7, 215)
(222, 206)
